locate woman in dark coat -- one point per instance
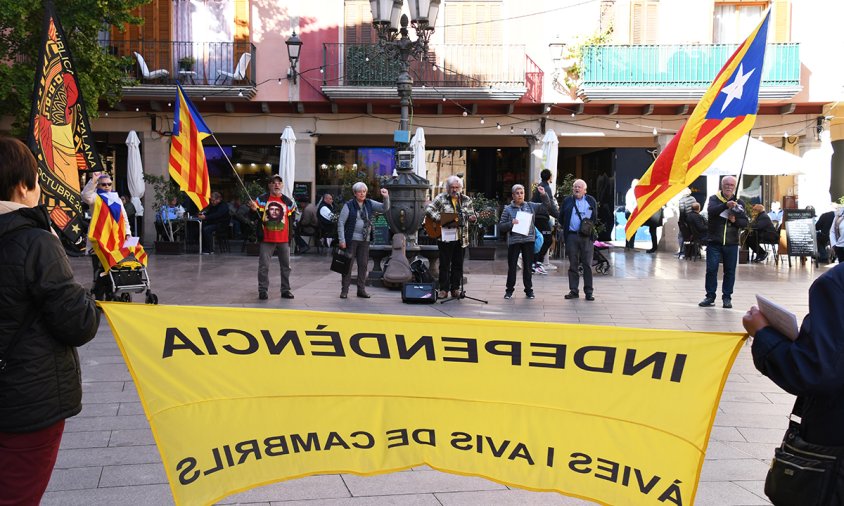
(44, 316)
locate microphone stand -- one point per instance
(460, 218)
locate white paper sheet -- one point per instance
(130, 242)
(525, 220)
(448, 235)
(779, 317)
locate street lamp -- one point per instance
(294, 45)
(407, 190)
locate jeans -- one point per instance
(265, 253)
(715, 254)
(513, 251)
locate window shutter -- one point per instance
(782, 21)
(358, 23)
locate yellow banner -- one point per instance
(238, 398)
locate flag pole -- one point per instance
(743, 158)
(232, 166)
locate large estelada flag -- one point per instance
(725, 112)
(237, 398)
(187, 156)
(107, 232)
(60, 135)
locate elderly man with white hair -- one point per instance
(353, 230)
(452, 247)
(727, 218)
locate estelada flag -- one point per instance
(107, 233)
(60, 134)
(187, 156)
(725, 112)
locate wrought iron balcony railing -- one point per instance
(191, 63)
(446, 66)
(679, 65)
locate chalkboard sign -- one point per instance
(380, 231)
(302, 191)
(800, 232)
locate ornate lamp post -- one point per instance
(407, 190)
(294, 45)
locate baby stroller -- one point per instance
(599, 261)
(121, 281)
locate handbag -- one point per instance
(341, 262)
(537, 243)
(803, 473)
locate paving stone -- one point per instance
(78, 478)
(416, 482)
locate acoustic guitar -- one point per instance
(432, 228)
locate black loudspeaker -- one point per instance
(418, 293)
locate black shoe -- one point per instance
(508, 295)
(363, 295)
(344, 295)
(728, 304)
(762, 257)
(530, 295)
(571, 295)
(287, 295)
(590, 297)
(707, 302)
(652, 250)
(262, 295)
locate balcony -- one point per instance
(207, 68)
(678, 71)
(457, 72)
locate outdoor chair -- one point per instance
(239, 73)
(146, 75)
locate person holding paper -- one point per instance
(811, 366)
(458, 210)
(727, 218)
(577, 208)
(517, 219)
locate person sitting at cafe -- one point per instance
(327, 219)
(762, 231)
(306, 227)
(214, 217)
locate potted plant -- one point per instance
(487, 211)
(164, 190)
(186, 63)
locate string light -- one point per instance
(465, 114)
(482, 120)
(547, 108)
(572, 115)
(106, 114)
(511, 129)
(617, 125)
(279, 81)
(240, 93)
(524, 131)
(785, 135)
(655, 132)
(498, 126)
(137, 109)
(443, 99)
(203, 98)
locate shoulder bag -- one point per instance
(587, 226)
(803, 473)
(341, 262)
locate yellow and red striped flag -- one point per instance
(107, 232)
(187, 156)
(726, 112)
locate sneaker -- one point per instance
(707, 302)
(344, 295)
(363, 295)
(262, 295)
(530, 295)
(287, 295)
(538, 269)
(508, 295)
(727, 303)
(590, 297)
(442, 294)
(455, 294)
(571, 295)
(762, 257)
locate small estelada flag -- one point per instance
(187, 156)
(725, 112)
(107, 233)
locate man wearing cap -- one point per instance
(275, 212)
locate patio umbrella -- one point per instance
(549, 155)
(287, 160)
(417, 145)
(135, 175)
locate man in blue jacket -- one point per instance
(579, 247)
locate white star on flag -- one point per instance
(111, 198)
(735, 88)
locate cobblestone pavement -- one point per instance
(108, 456)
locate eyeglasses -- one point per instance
(105, 184)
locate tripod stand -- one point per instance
(460, 218)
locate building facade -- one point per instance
(614, 80)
